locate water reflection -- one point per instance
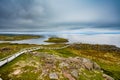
(111, 39)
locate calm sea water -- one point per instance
(110, 39)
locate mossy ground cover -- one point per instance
(56, 40)
(86, 75)
(7, 49)
(29, 67)
(104, 55)
(107, 56)
(19, 69)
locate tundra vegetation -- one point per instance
(77, 62)
(7, 49)
(56, 40)
(10, 37)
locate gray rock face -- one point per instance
(84, 60)
(69, 68)
(87, 64)
(107, 77)
(96, 66)
(53, 76)
(90, 65)
(1, 79)
(74, 73)
(63, 64)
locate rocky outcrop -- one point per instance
(75, 73)
(59, 68)
(63, 64)
(90, 65)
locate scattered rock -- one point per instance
(67, 75)
(63, 64)
(107, 77)
(53, 76)
(44, 73)
(78, 59)
(75, 73)
(87, 64)
(84, 60)
(69, 66)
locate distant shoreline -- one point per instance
(17, 37)
(87, 39)
(56, 40)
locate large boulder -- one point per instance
(75, 73)
(88, 64)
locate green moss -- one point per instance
(8, 68)
(56, 40)
(107, 56)
(65, 53)
(92, 75)
(26, 76)
(112, 70)
(107, 59)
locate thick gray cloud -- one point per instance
(22, 14)
(52, 15)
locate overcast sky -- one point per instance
(59, 15)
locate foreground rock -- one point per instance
(63, 64)
(45, 66)
(53, 76)
(71, 68)
(107, 77)
(75, 73)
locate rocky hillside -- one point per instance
(76, 62)
(45, 66)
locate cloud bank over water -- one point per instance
(59, 15)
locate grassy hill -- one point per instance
(34, 64)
